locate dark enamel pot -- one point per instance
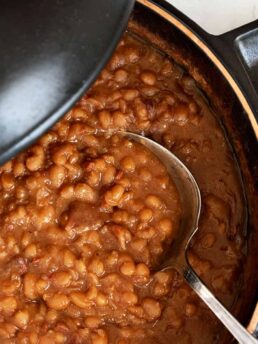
(226, 69)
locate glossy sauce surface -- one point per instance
(85, 215)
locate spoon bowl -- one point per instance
(190, 198)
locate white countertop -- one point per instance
(218, 16)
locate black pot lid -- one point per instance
(51, 52)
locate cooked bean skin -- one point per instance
(86, 215)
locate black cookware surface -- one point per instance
(50, 53)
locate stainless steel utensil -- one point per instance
(191, 200)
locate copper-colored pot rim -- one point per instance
(173, 20)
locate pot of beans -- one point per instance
(87, 214)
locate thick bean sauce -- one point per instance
(86, 214)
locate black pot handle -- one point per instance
(238, 50)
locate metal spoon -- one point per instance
(191, 201)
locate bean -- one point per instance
(51, 315)
(78, 130)
(99, 165)
(8, 304)
(19, 215)
(188, 84)
(149, 78)
(7, 181)
(61, 279)
(161, 285)
(60, 338)
(33, 182)
(101, 300)
(128, 268)
(67, 192)
(144, 124)
(128, 164)
(112, 258)
(200, 265)
(121, 341)
(96, 266)
(146, 233)
(120, 216)
(132, 54)
(141, 110)
(63, 153)
(138, 244)
(41, 286)
(57, 301)
(21, 193)
(166, 227)
(145, 174)
(30, 251)
(48, 138)
(100, 337)
(121, 76)
(151, 308)
(21, 318)
(123, 235)
(10, 286)
(130, 94)
(35, 162)
(19, 168)
(90, 140)
(181, 114)
(78, 113)
(93, 178)
(57, 174)
(84, 192)
(105, 119)
(129, 298)
(10, 242)
(92, 322)
(124, 182)
(142, 270)
(7, 331)
(126, 197)
(93, 237)
(109, 159)
(149, 91)
(80, 299)
(146, 215)
(7, 167)
(69, 258)
(80, 266)
(137, 311)
(113, 195)
(29, 288)
(190, 309)
(45, 215)
(55, 234)
(153, 201)
(119, 119)
(109, 175)
(26, 239)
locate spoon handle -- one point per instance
(231, 323)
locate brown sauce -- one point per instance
(85, 214)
